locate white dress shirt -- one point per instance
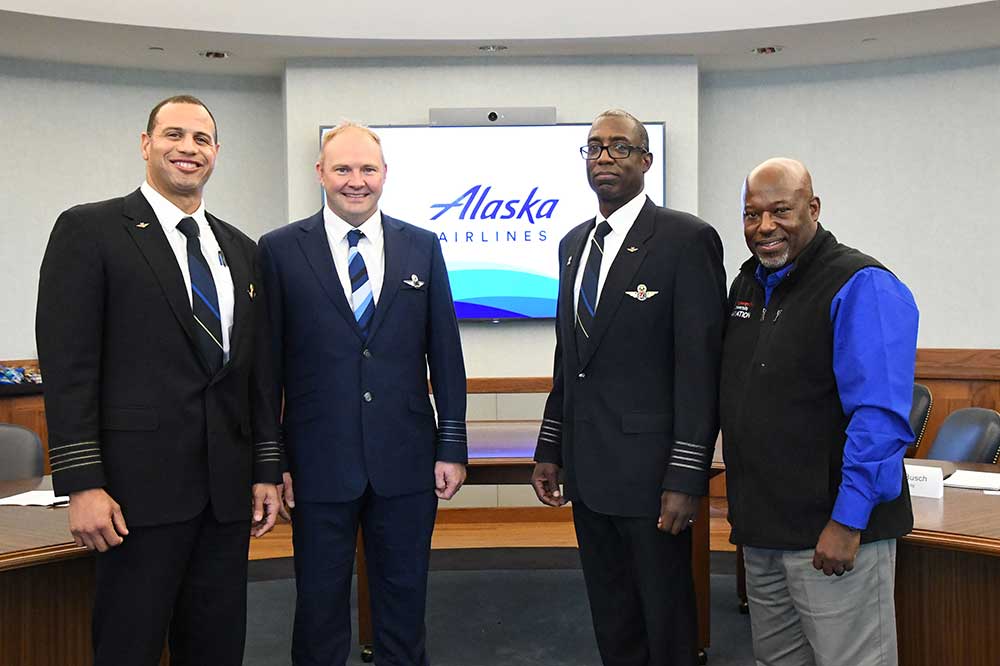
(169, 216)
(621, 222)
(371, 247)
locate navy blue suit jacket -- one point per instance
(357, 411)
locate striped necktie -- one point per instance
(204, 299)
(362, 300)
(586, 305)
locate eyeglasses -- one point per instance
(617, 151)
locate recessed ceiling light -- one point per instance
(767, 50)
(492, 48)
(214, 55)
(156, 48)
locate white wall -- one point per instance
(71, 135)
(382, 92)
(904, 156)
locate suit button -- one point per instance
(582, 375)
(366, 353)
(367, 396)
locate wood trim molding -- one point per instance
(975, 364)
(969, 364)
(509, 384)
(21, 362)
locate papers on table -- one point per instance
(34, 498)
(974, 480)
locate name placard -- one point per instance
(925, 481)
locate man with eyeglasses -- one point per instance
(631, 420)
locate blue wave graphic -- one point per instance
(467, 285)
(503, 294)
(506, 307)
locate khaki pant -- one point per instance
(801, 617)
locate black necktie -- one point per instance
(204, 299)
(586, 306)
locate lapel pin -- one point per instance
(251, 291)
(414, 281)
(632, 248)
(142, 225)
(641, 293)
(570, 260)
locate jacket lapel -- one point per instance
(567, 282)
(623, 268)
(397, 254)
(147, 233)
(316, 247)
(240, 271)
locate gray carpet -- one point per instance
(495, 607)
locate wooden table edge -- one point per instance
(956, 542)
(45, 555)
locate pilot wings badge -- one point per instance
(641, 293)
(414, 282)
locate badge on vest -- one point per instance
(641, 293)
(741, 310)
(414, 282)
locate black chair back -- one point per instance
(920, 414)
(968, 435)
(20, 453)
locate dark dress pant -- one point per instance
(183, 582)
(397, 538)
(640, 587)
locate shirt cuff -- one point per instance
(852, 508)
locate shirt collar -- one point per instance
(337, 228)
(622, 219)
(771, 278)
(167, 213)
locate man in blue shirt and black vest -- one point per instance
(817, 381)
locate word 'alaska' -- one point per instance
(475, 206)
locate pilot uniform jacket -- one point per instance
(357, 411)
(637, 413)
(130, 404)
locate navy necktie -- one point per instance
(204, 299)
(362, 300)
(586, 306)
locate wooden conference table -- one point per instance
(948, 574)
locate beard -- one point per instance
(774, 261)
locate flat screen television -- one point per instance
(499, 199)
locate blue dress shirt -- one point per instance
(874, 319)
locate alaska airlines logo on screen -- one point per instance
(475, 206)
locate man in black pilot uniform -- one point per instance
(632, 416)
(156, 396)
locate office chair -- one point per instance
(968, 435)
(920, 414)
(20, 453)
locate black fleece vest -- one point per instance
(783, 426)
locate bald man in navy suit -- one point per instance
(361, 310)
